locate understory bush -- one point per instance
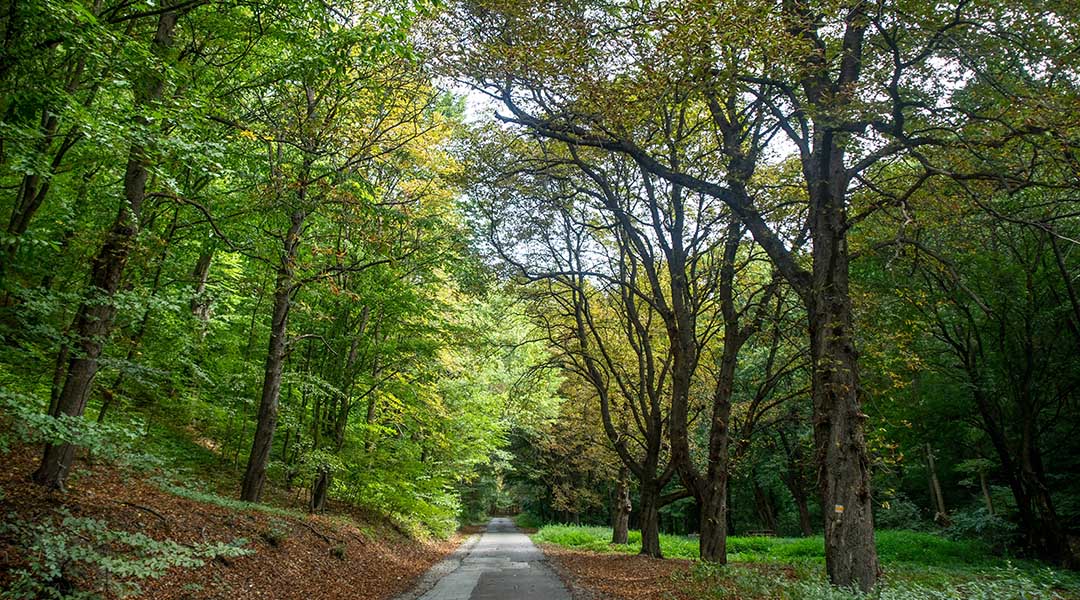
(899, 513)
(69, 558)
(1007, 583)
(528, 520)
(978, 523)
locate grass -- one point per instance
(894, 546)
(917, 565)
(598, 539)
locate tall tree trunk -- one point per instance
(621, 507)
(266, 423)
(109, 393)
(850, 553)
(94, 319)
(941, 516)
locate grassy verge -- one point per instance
(917, 565)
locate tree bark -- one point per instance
(850, 553)
(941, 517)
(318, 490)
(650, 519)
(94, 318)
(764, 504)
(714, 512)
(285, 285)
(620, 522)
(200, 304)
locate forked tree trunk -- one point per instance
(764, 504)
(94, 319)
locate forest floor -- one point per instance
(917, 566)
(598, 576)
(344, 553)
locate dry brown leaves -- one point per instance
(315, 558)
(595, 576)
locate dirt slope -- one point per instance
(361, 557)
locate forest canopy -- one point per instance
(789, 268)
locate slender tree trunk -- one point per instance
(763, 502)
(620, 522)
(941, 517)
(109, 393)
(94, 319)
(266, 423)
(200, 304)
(986, 493)
(712, 496)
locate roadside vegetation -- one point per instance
(799, 278)
(916, 565)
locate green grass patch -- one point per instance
(918, 565)
(893, 546)
(598, 539)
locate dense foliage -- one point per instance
(797, 268)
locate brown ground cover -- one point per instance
(596, 576)
(309, 558)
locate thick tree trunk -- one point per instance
(94, 319)
(255, 474)
(1049, 535)
(850, 553)
(714, 510)
(650, 519)
(621, 507)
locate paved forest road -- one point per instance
(502, 564)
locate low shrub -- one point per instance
(70, 558)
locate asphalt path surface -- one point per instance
(500, 564)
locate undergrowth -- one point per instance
(918, 566)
